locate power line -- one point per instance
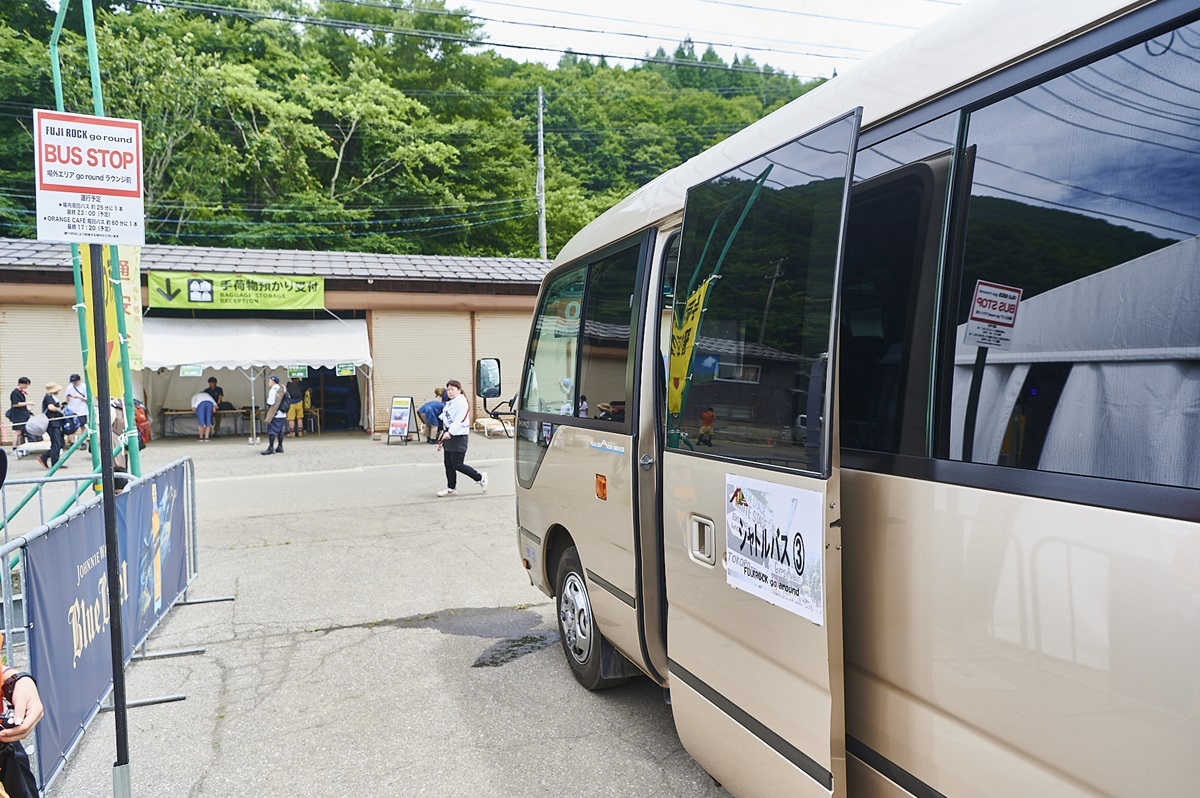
(732, 4)
(627, 34)
(465, 41)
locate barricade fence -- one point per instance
(55, 604)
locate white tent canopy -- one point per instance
(249, 343)
(256, 347)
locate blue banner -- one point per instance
(67, 598)
(66, 594)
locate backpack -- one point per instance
(71, 423)
(142, 421)
(285, 403)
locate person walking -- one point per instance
(18, 411)
(276, 418)
(77, 397)
(54, 413)
(453, 440)
(204, 406)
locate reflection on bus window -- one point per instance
(1087, 203)
(889, 286)
(605, 369)
(550, 382)
(753, 304)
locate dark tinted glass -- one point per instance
(606, 368)
(1085, 199)
(753, 304)
(893, 236)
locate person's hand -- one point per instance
(27, 711)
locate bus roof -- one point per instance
(968, 44)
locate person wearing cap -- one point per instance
(53, 409)
(77, 406)
(275, 418)
(76, 397)
(18, 411)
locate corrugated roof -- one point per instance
(23, 253)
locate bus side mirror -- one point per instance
(487, 378)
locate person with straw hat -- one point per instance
(53, 409)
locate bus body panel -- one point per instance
(1040, 642)
(743, 764)
(773, 671)
(566, 494)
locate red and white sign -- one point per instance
(993, 315)
(89, 179)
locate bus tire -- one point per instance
(581, 640)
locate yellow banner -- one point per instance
(210, 291)
(129, 261)
(683, 344)
(110, 352)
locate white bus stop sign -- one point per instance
(89, 179)
(993, 315)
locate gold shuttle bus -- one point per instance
(940, 322)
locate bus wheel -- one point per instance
(581, 639)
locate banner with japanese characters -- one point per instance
(129, 262)
(775, 544)
(205, 291)
(88, 185)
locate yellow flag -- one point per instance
(110, 351)
(129, 261)
(683, 344)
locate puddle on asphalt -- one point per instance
(516, 626)
(506, 651)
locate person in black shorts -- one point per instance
(18, 411)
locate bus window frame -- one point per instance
(644, 241)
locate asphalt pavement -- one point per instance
(382, 642)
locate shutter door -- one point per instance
(40, 342)
(503, 336)
(415, 352)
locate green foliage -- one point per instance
(398, 133)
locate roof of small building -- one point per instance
(23, 253)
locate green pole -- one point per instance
(135, 460)
(33, 492)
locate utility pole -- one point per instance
(541, 183)
(773, 276)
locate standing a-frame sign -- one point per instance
(400, 420)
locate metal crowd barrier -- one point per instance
(20, 634)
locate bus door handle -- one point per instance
(646, 462)
(701, 546)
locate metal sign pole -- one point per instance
(121, 784)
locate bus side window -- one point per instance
(888, 283)
(606, 362)
(550, 379)
(1085, 201)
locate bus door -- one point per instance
(751, 510)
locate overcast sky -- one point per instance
(809, 38)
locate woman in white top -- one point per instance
(203, 405)
(453, 441)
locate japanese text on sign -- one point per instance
(993, 315)
(89, 178)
